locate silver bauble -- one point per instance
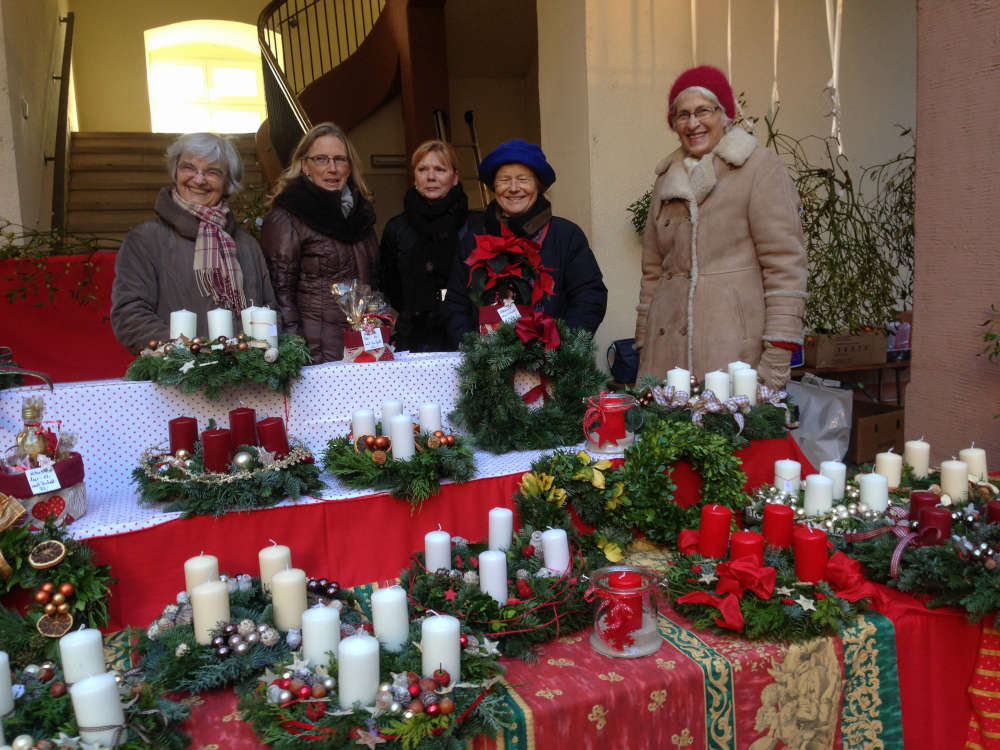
(31, 670)
(23, 742)
(242, 460)
(242, 647)
(384, 687)
(273, 693)
(262, 628)
(252, 637)
(284, 696)
(235, 640)
(395, 708)
(408, 715)
(329, 683)
(287, 674)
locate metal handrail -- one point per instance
(62, 126)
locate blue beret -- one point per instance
(517, 151)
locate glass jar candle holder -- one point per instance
(625, 620)
(604, 424)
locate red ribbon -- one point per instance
(687, 541)
(541, 326)
(927, 536)
(728, 606)
(609, 410)
(538, 392)
(736, 576)
(618, 613)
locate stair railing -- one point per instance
(61, 173)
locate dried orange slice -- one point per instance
(55, 626)
(46, 554)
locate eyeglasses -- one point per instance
(701, 114)
(212, 174)
(521, 181)
(322, 160)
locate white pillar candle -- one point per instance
(363, 423)
(82, 654)
(246, 315)
(210, 601)
(819, 495)
(320, 635)
(890, 465)
(401, 434)
(731, 369)
(874, 491)
(838, 473)
(745, 383)
(718, 383)
(264, 325)
(391, 408)
(390, 617)
(430, 417)
(437, 550)
(272, 559)
(917, 455)
(955, 479)
(975, 458)
(199, 569)
(288, 594)
(440, 647)
(680, 379)
(555, 550)
(220, 323)
(493, 575)
(501, 528)
(96, 704)
(6, 689)
(183, 322)
(787, 474)
(358, 670)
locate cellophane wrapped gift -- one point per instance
(369, 320)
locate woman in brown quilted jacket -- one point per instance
(320, 231)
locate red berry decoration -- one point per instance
(415, 689)
(441, 677)
(524, 589)
(463, 640)
(433, 709)
(305, 692)
(528, 550)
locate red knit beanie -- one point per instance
(709, 78)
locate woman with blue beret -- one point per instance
(518, 174)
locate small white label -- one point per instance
(508, 313)
(42, 480)
(372, 340)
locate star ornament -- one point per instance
(708, 577)
(369, 739)
(783, 591)
(806, 604)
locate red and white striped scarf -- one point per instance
(216, 268)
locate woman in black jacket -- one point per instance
(518, 174)
(420, 245)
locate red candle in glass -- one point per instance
(778, 522)
(183, 434)
(242, 427)
(809, 548)
(713, 534)
(993, 511)
(628, 579)
(935, 526)
(747, 544)
(216, 450)
(921, 499)
(273, 436)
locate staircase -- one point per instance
(115, 177)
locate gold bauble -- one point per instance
(182, 453)
(242, 460)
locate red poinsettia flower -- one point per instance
(508, 257)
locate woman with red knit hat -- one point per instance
(723, 260)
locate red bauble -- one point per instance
(284, 683)
(433, 709)
(67, 589)
(463, 640)
(442, 677)
(414, 689)
(305, 692)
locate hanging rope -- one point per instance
(694, 33)
(834, 24)
(775, 98)
(729, 62)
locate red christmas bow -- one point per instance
(728, 606)
(541, 326)
(736, 576)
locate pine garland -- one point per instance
(213, 370)
(542, 606)
(185, 485)
(414, 479)
(496, 418)
(781, 617)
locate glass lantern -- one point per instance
(625, 624)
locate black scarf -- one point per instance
(320, 210)
(437, 223)
(527, 224)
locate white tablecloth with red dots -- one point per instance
(115, 420)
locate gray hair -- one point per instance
(726, 120)
(210, 147)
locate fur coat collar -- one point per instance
(734, 149)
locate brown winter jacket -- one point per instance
(723, 261)
(304, 263)
(154, 275)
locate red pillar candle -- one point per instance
(921, 499)
(935, 526)
(631, 603)
(242, 427)
(216, 450)
(183, 434)
(993, 511)
(747, 544)
(809, 548)
(273, 436)
(778, 522)
(713, 534)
